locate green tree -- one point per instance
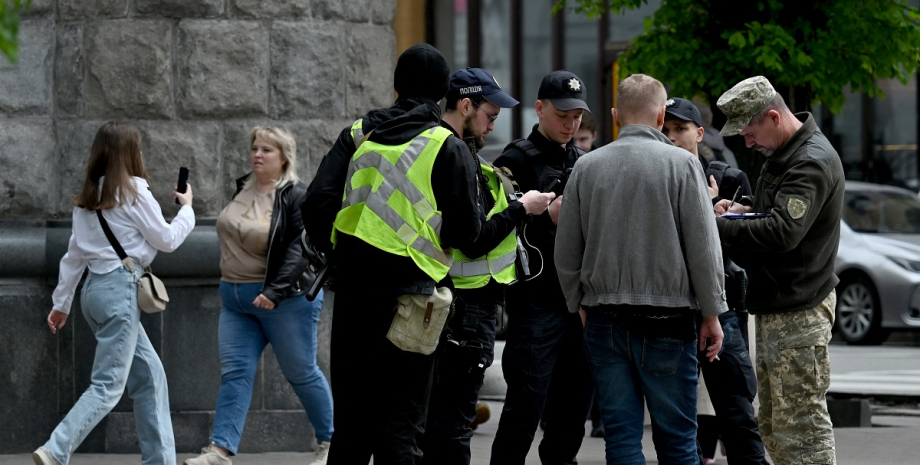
(811, 50)
(9, 27)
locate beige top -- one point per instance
(243, 230)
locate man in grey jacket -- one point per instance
(637, 252)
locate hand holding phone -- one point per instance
(182, 185)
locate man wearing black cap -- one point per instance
(544, 343)
(480, 273)
(391, 237)
(730, 380)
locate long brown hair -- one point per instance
(116, 154)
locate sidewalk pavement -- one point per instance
(891, 441)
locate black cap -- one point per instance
(470, 82)
(421, 71)
(565, 90)
(684, 109)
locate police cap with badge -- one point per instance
(565, 90)
(684, 109)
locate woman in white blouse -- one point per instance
(116, 184)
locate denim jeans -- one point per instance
(457, 382)
(244, 332)
(381, 392)
(629, 368)
(124, 359)
(545, 348)
(732, 385)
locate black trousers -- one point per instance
(380, 392)
(732, 386)
(458, 379)
(544, 347)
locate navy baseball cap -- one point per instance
(565, 90)
(684, 109)
(471, 82)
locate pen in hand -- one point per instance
(734, 197)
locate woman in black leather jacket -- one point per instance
(263, 279)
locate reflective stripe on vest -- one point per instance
(481, 267)
(498, 263)
(357, 132)
(394, 178)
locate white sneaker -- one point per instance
(322, 453)
(209, 456)
(42, 456)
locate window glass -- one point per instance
(886, 212)
(847, 135)
(894, 143)
(581, 54)
(537, 45)
(496, 59)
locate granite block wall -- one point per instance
(194, 76)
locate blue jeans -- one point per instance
(244, 332)
(628, 368)
(124, 359)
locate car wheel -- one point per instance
(859, 312)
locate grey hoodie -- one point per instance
(637, 228)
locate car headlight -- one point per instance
(909, 265)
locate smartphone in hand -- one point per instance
(182, 185)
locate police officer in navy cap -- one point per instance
(544, 341)
(480, 274)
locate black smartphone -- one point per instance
(552, 185)
(182, 185)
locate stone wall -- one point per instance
(194, 76)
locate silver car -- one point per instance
(878, 263)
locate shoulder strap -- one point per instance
(717, 170)
(111, 237)
(524, 145)
(578, 152)
(504, 176)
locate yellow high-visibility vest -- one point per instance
(389, 203)
(498, 264)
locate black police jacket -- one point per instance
(732, 180)
(537, 172)
(361, 267)
(286, 273)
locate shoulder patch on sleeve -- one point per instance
(797, 206)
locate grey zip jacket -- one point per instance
(637, 227)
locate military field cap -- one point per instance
(471, 82)
(565, 90)
(684, 109)
(742, 102)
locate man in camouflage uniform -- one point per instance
(789, 257)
